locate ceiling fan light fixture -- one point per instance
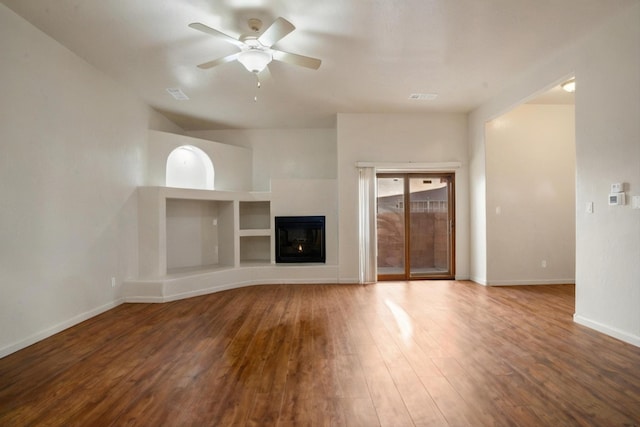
(569, 85)
(255, 60)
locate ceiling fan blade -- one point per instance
(219, 61)
(276, 31)
(208, 30)
(301, 60)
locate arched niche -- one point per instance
(189, 167)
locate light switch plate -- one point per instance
(635, 202)
(589, 207)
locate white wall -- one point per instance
(283, 153)
(159, 122)
(608, 151)
(607, 69)
(530, 163)
(426, 138)
(72, 153)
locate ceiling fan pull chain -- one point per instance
(258, 84)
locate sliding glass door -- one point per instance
(415, 226)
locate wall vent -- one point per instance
(423, 96)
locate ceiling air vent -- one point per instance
(423, 96)
(177, 93)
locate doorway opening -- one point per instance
(530, 178)
(415, 216)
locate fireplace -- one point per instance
(300, 239)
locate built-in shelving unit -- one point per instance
(194, 242)
(191, 239)
(191, 230)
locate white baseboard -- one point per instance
(202, 282)
(530, 282)
(218, 288)
(12, 348)
(479, 280)
(205, 291)
(607, 330)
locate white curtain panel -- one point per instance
(367, 270)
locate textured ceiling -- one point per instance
(375, 53)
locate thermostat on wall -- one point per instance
(616, 199)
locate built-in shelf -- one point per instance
(255, 249)
(255, 232)
(255, 215)
(192, 237)
(187, 230)
(194, 242)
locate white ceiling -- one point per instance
(375, 53)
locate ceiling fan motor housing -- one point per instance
(255, 25)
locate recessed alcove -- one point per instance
(192, 233)
(189, 167)
(255, 250)
(255, 215)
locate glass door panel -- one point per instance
(390, 219)
(429, 222)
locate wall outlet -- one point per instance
(543, 264)
(113, 282)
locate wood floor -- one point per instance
(391, 354)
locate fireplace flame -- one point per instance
(300, 249)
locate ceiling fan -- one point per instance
(256, 52)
